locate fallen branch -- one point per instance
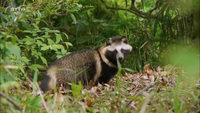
(11, 101)
(142, 91)
(144, 106)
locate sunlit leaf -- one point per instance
(58, 38)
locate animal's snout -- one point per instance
(120, 59)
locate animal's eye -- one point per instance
(108, 43)
(125, 51)
(115, 51)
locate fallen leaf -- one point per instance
(89, 103)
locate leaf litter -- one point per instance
(113, 98)
(130, 92)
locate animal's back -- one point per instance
(77, 66)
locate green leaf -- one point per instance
(25, 60)
(68, 44)
(50, 31)
(28, 40)
(14, 49)
(35, 81)
(66, 35)
(63, 51)
(119, 65)
(37, 101)
(37, 29)
(26, 25)
(43, 60)
(44, 47)
(73, 18)
(58, 38)
(3, 16)
(35, 67)
(57, 46)
(50, 42)
(1, 46)
(76, 7)
(39, 43)
(14, 39)
(76, 89)
(128, 69)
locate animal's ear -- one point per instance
(109, 41)
(124, 39)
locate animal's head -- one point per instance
(115, 49)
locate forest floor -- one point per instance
(153, 90)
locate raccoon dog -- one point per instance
(98, 65)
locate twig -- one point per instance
(11, 101)
(43, 101)
(144, 106)
(143, 90)
(7, 67)
(143, 44)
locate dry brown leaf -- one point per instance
(89, 103)
(148, 69)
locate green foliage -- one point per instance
(188, 59)
(76, 89)
(6, 87)
(27, 37)
(32, 103)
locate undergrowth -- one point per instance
(34, 33)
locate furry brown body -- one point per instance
(98, 65)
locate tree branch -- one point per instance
(155, 7)
(134, 10)
(11, 101)
(123, 9)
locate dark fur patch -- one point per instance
(107, 72)
(44, 85)
(111, 56)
